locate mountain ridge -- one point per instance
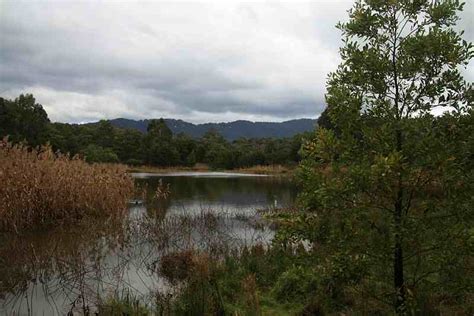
(229, 130)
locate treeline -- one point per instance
(24, 120)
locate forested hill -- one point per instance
(231, 130)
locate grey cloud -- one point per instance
(196, 61)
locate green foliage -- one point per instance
(23, 119)
(128, 146)
(240, 283)
(387, 186)
(295, 284)
(94, 153)
(123, 303)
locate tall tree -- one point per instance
(158, 146)
(390, 195)
(159, 129)
(23, 119)
(104, 134)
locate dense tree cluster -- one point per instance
(23, 119)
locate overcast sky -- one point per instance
(200, 62)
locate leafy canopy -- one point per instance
(387, 189)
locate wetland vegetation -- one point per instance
(42, 188)
(155, 257)
(378, 219)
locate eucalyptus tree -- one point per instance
(391, 190)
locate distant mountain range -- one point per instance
(231, 130)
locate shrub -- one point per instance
(201, 293)
(94, 153)
(134, 162)
(123, 304)
(295, 284)
(40, 188)
(177, 267)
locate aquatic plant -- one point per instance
(123, 303)
(42, 188)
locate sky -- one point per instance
(200, 62)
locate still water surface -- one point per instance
(71, 269)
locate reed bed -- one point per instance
(40, 188)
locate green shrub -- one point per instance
(123, 304)
(296, 284)
(94, 153)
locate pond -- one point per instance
(69, 269)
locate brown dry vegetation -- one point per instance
(39, 188)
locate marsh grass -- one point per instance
(41, 188)
(123, 303)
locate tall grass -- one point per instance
(40, 188)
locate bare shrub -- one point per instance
(176, 267)
(180, 266)
(249, 290)
(40, 188)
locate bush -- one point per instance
(134, 162)
(40, 188)
(177, 267)
(296, 284)
(123, 304)
(94, 153)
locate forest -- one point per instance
(24, 120)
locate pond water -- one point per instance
(70, 269)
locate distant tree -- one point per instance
(278, 151)
(94, 153)
(388, 198)
(191, 159)
(247, 152)
(23, 119)
(104, 134)
(128, 146)
(159, 130)
(185, 146)
(217, 151)
(158, 146)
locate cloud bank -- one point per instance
(201, 62)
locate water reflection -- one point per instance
(70, 270)
(236, 192)
(56, 270)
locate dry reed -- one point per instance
(40, 188)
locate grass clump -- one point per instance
(42, 188)
(123, 303)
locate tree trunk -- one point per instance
(398, 277)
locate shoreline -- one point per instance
(277, 170)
